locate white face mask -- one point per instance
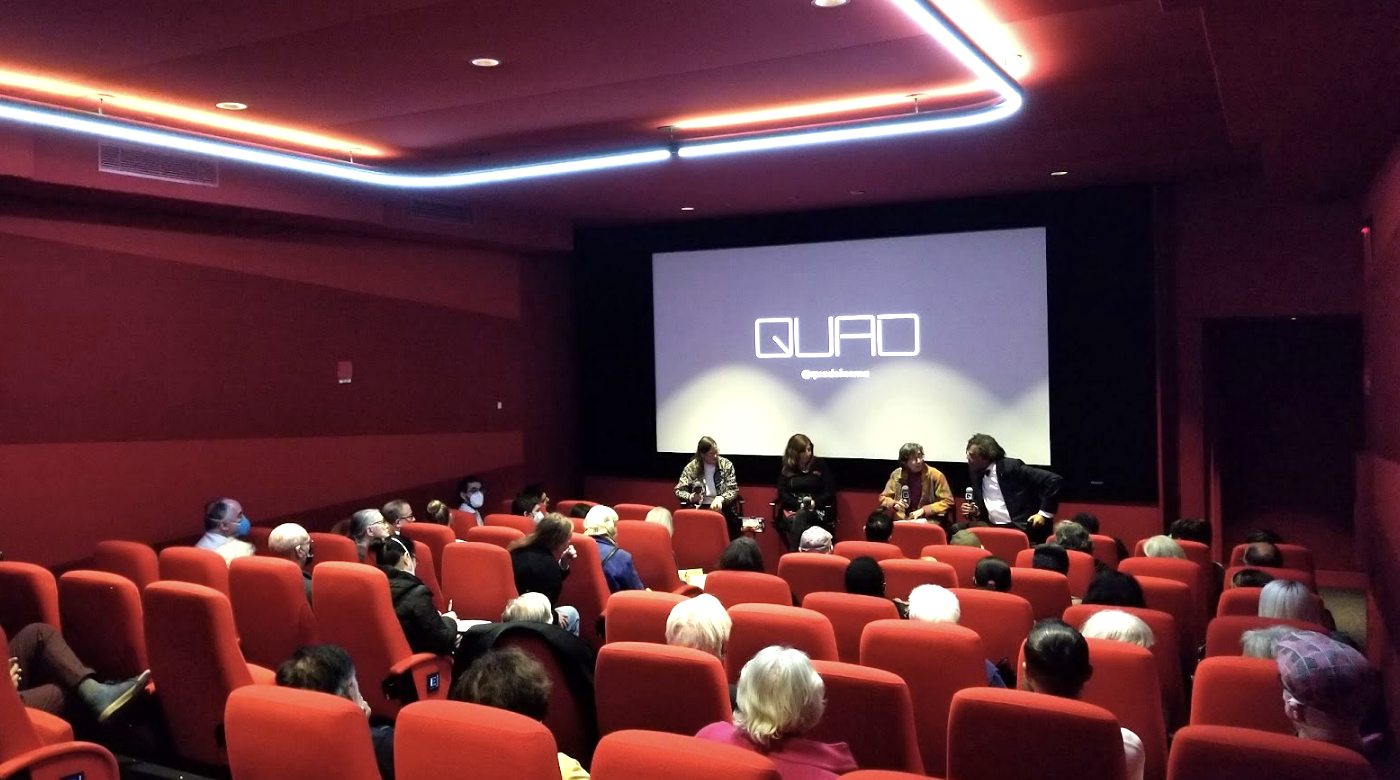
(538, 516)
(476, 499)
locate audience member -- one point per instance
(966, 538)
(1251, 578)
(1326, 688)
(1119, 626)
(661, 516)
(780, 698)
(1290, 600)
(438, 513)
(992, 574)
(528, 504)
(1086, 520)
(1190, 529)
(1057, 663)
(46, 672)
(1162, 546)
(916, 490)
(537, 489)
(580, 510)
(1262, 642)
(292, 542)
(365, 526)
(398, 512)
(509, 679)
(1075, 538)
(541, 561)
(1262, 535)
(618, 570)
(865, 577)
(471, 496)
(1115, 589)
(224, 524)
(1264, 554)
(742, 554)
(426, 630)
(816, 540)
(937, 604)
(528, 608)
(328, 669)
(700, 623)
(1050, 557)
(878, 527)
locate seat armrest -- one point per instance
(54, 762)
(430, 675)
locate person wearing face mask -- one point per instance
(708, 481)
(472, 497)
(806, 493)
(426, 630)
(292, 542)
(531, 503)
(366, 526)
(224, 523)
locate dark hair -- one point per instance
(1263, 554)
(580, 510)
(742, 554)
(798, 444)
(1073, 536)
(992, 573)
(554, 530)
(1057, 658)
(878, 527)
(216, 512)
(1191, 529)
(525, 502)
(1263, 535)
(1115, 589)
(986, 447)
(387, 552)
(1088, 520)
(1251, 578)
(864, 577)
(465, 481)
(1052, 557)
(507, 679)
(323, 668)
(909, 450)
(701, 447)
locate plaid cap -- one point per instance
(1322, 673)
(814, 539)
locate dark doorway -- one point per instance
(1285, 414)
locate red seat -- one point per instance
(807, 573)
(567, 505)
(747, 587)
(883, 774)
(1125, 683)
(1295, 556)
(28, 594)
(1238, 691)
(1047, 591)
(432, 737)
(1238, 601)
(133, 560)
(289, 734)
(460, 522)
(698, 536)
(1077, 739)
(333, 548)
(871, 711)
(1297, 575)
(194, 565)
(962, 559)
(634, 755)
(633, 511)
(1004, 543)
(435, 536)
(353, 610)
(1224, 634)
(1175, 599)
(659, 688)
(498, 535)
(849, 615)
(757, 626)
(195, 663)
(585, 589)
(102, 622)
(1001, 619)
(478, 579)
(904, 647)
(572, 720)
(39, 746)
(520, 523)
(1224, 753)
(258, 536)
(880, 551)
(1196, 552)
(1106, 550)
(270, 608)
(427, 572)
(640, 615)
(903, 575)
(1188, 573)
(652, 556)
(1081, 569)
(23, 729)
(1166, 650)
(911, 537)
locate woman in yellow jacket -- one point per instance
(916, 490)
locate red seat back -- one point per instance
(520, 523)
(195, 662)
(564, 507)
(1081, 569)
(849, 615)
(353, 609)
(1239, 691)
(1188, 573)
(195, 565)
(904, 647)
(571, 720)
(333, 548)
(478, 579)
(747, 587)
(289, 734)
(632, 755)
(633, 511)
(1297, 575)
(1239, 601)
(435, 536)
(1295, 556)
(1106, 550)
(1125, 683)
(1004, 543)
(133, 560)
(585, 589)
(1196, 552)
(659, 688)
(28, 594)
(1047, 591)
(911, 538)
(27, 753)
(1224, 634)
(878, 550)
(1048, 730)
(102, 622)
(871, 711)
(427, 572)
(460, 522)
(807, 573)
(652, 556)
(640, 615)
(757, 626)
(499, 535)
(270, 609)
(699, 536)
(17, 734)
(1166, 650)
(1224, 753)
(258, 536)
(1001, 619)
(903, 575)
(962, 559)
(1175, 599)
(431, 737)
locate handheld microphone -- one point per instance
(967, 495)
(904, 494)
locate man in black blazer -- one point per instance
(1007, 492)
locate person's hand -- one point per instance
(1038, 520)
(14, 672)
(695, 498)
(568, 557)
(900, 506)
(916, 514)
(969, 509)
(450, 614)
(717, 504)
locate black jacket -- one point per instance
(537, 571)
(1026, 489)
(425, 629)
(817, 483)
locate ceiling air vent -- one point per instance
(148, 163)
(444, 211)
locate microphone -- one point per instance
(967, 495)
(904, 494)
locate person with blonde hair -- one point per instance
(662, 517)
(700, 623)
(1288, 599)
(528, 608)
(781, 697)
(1163, 546)
(1119, 626)
(618, 569)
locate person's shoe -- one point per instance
(107, 699)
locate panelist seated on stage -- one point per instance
(1007, 492)
(916, 490)
(708, 481)
(806, 492)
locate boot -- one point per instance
(106, 699)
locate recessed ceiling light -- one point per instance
(1059, 173)
(829, 3)
(232, 106)
(485, 62)
(687, 208)
(857, 192)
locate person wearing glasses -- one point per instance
(366, 526)
(398, 512)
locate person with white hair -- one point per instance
(700, 623)
(662, 517)
(816, 540)
(1288, 599)
(1163, 546)
(618, 569)
(366, 526)
(937, 604)
(292, 542)
(528, 608)
(781, 697)
(1261, 642)
(1119, 626)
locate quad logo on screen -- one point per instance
(886, 335)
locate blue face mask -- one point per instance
(244, 525)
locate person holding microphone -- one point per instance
(1008, 492)
(708, 482)
(917, 491)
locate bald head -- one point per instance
(290, 541)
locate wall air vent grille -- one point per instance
(148, 163)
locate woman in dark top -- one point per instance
(427, 631)
(541, 561)
(806, 492)
(864, 577)
(1115, 589)
(742, 554)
